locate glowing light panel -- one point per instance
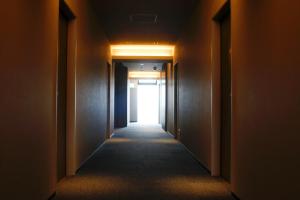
(137, 74)
(142, 50)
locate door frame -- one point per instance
(71, 88)
(109, 99)
(164, 70)
(176, 101)
(120, 121)
(216, 90)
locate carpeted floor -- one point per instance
(142, 163)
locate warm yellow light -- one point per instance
(142, 50)
(137, 74)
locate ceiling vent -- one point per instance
(143, 18)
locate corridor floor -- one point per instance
(142, 163)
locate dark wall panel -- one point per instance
(121, 89)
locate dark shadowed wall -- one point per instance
(28, 51)
(266, 98)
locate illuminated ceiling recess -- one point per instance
(145, 75)
(142, 50)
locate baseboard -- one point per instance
(171, 134)
(52, 196)
(207, 170)
(234, 196)
(195, 157)
(90, 156)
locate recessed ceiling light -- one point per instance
(142, 64)
(142, 50)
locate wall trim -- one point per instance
(52, 196)
(235, 196)
(216, 90)
(171, 134)
(196, 158)
(91, 155)
(65, 8)
(215, 99)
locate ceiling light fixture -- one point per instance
(142, 50)
(137, 74)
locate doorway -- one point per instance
(121, 99)
(148, 101)
(176, 102)
(146, 97)
(62, 96)
(162, 98)
(225, 47)
(109, 103)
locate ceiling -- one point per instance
(143, 66)
(143, 21)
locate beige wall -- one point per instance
(28, 51)
(266, 98)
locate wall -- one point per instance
(133, 101)
(133, 104)
(265, 84)
(193, 53)
(266, 99)
(170, 97)
(28, 63)
(28, 51)
(91, 81)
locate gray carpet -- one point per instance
(142, 163)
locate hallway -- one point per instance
(142, 162)
(225, 79)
